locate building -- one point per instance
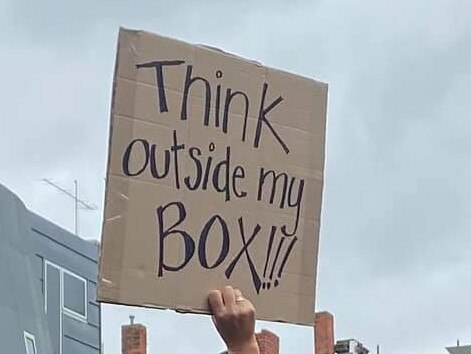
(350, 346)
(133, 338)
(324, 338)
(47, 285)
(464, 349)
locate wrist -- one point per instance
(250, 347)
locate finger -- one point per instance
(239, 299)
(215, 301)
(228, 296)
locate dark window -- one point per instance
(75, 294)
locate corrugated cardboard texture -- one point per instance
(215, 177)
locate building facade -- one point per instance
(350, 346)
(464, 349)
(48, 280)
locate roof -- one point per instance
(465, 349)
(50, 230)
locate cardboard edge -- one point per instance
(232, 55)
(192, 311)
(325, 87)
(110, 134)
(202, 46)
(120, 34)
(223, 52)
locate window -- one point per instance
(75, 295)
(65, 292)
(30, 343)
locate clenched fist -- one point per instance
(234, 318)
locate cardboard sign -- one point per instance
(215, 177)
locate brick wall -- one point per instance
(133, 339)
(268, 342)
(324, 333)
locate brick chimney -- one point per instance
(268, 342)
(324, 333)
(133, 338)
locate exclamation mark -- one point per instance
(285, 259)
(280, 245)
(270, 245)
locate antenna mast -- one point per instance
(78, 202)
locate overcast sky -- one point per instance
(395, 265)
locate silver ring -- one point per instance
(239, 299)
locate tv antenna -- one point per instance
(79, 204)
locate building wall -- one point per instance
(460, 349)
(20, 300)
(47, 284)
(66, 258)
